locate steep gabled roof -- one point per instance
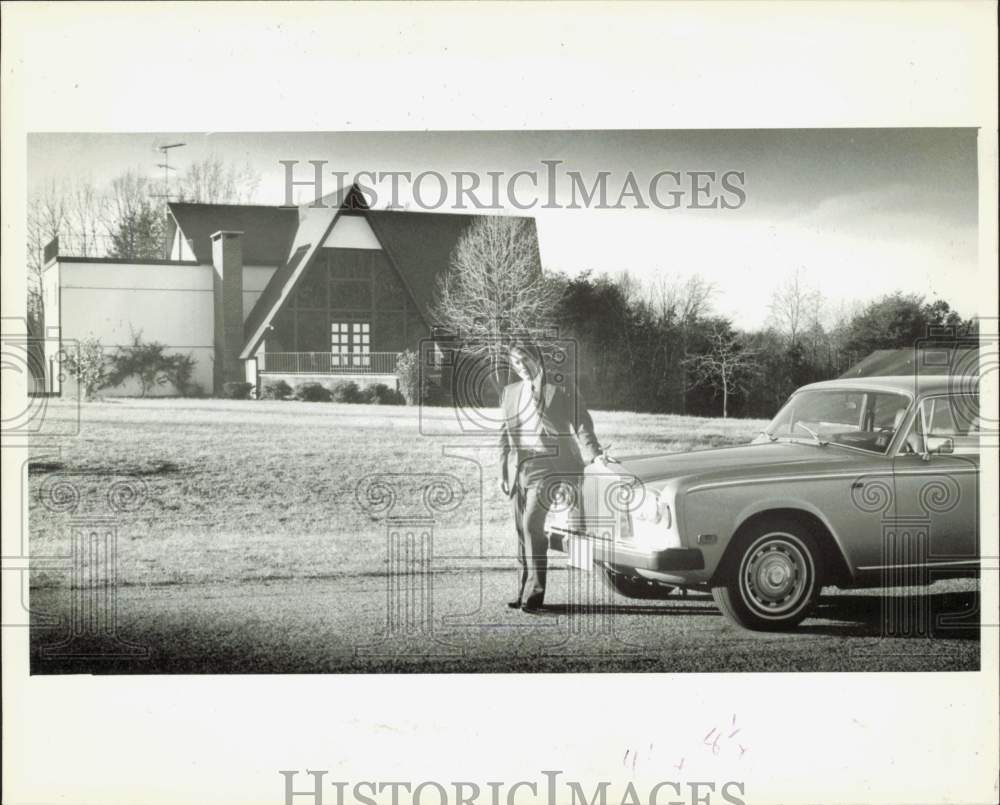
(419, 244)
(314, 222)
(267, 231)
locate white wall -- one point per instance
(169, 304)
(50, 300)
(352, 232)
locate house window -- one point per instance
(361, 343)
(350, 343)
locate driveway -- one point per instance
(457, 621)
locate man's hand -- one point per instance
(605, 459)
(504, 487)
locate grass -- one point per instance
(234, 490)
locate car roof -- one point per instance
(912, 385)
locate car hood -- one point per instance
(749, 461)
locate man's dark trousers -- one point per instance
(567, 441)
(529, 499)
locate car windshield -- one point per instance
(866, 420)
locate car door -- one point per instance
(936, 479)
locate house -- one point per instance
(330, 289)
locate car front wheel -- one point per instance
(772, 577)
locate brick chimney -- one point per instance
(227, 265)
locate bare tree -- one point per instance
(795, 307)
(677, 308)
(725, 366)
(680, 302)
(47, 217)
(494, 287)
(134, 217)
(85, 214)
(212, 181)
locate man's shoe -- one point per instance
(531, 609)
(515, 604)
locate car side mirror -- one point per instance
(939, 445)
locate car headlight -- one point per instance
(650, 524)
(655, 510)
(649, 509)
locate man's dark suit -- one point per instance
(566, 442)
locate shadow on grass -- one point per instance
(140, 471)
(42, 467)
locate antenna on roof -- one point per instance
(165, 150)
(165, 195)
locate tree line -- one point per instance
(639, 346)
(660, 346)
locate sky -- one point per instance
(858, 213)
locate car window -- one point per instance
(885, 411)
(829, 408)
(954, 417)
(866, 420)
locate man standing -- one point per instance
(548, 432)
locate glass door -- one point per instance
(350, 344)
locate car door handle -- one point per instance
(858, 485)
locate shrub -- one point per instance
(414, 387)
(312, 392)
(345, 391)
(276, 390)
(381, 394)
(236, 391)
(86, 363)
(437, 394)
(150, 364)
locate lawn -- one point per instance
(233, 490)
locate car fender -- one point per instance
(704, 516)
(787, 502)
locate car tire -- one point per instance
(636, 586)
(772, 576)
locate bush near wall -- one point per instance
(312, 392)
(88, 365)
(276, 390)
(236, 391)
(150, 364)
(345, 391)
(381, 394)
(415, 388)
(341, 391)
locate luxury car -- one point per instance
(855, 482)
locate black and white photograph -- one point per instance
(506, 406)
(565, 403)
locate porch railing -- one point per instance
(329, 363)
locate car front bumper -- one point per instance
(623, 556)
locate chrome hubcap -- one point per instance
(776, 575)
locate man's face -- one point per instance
(524, 365)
